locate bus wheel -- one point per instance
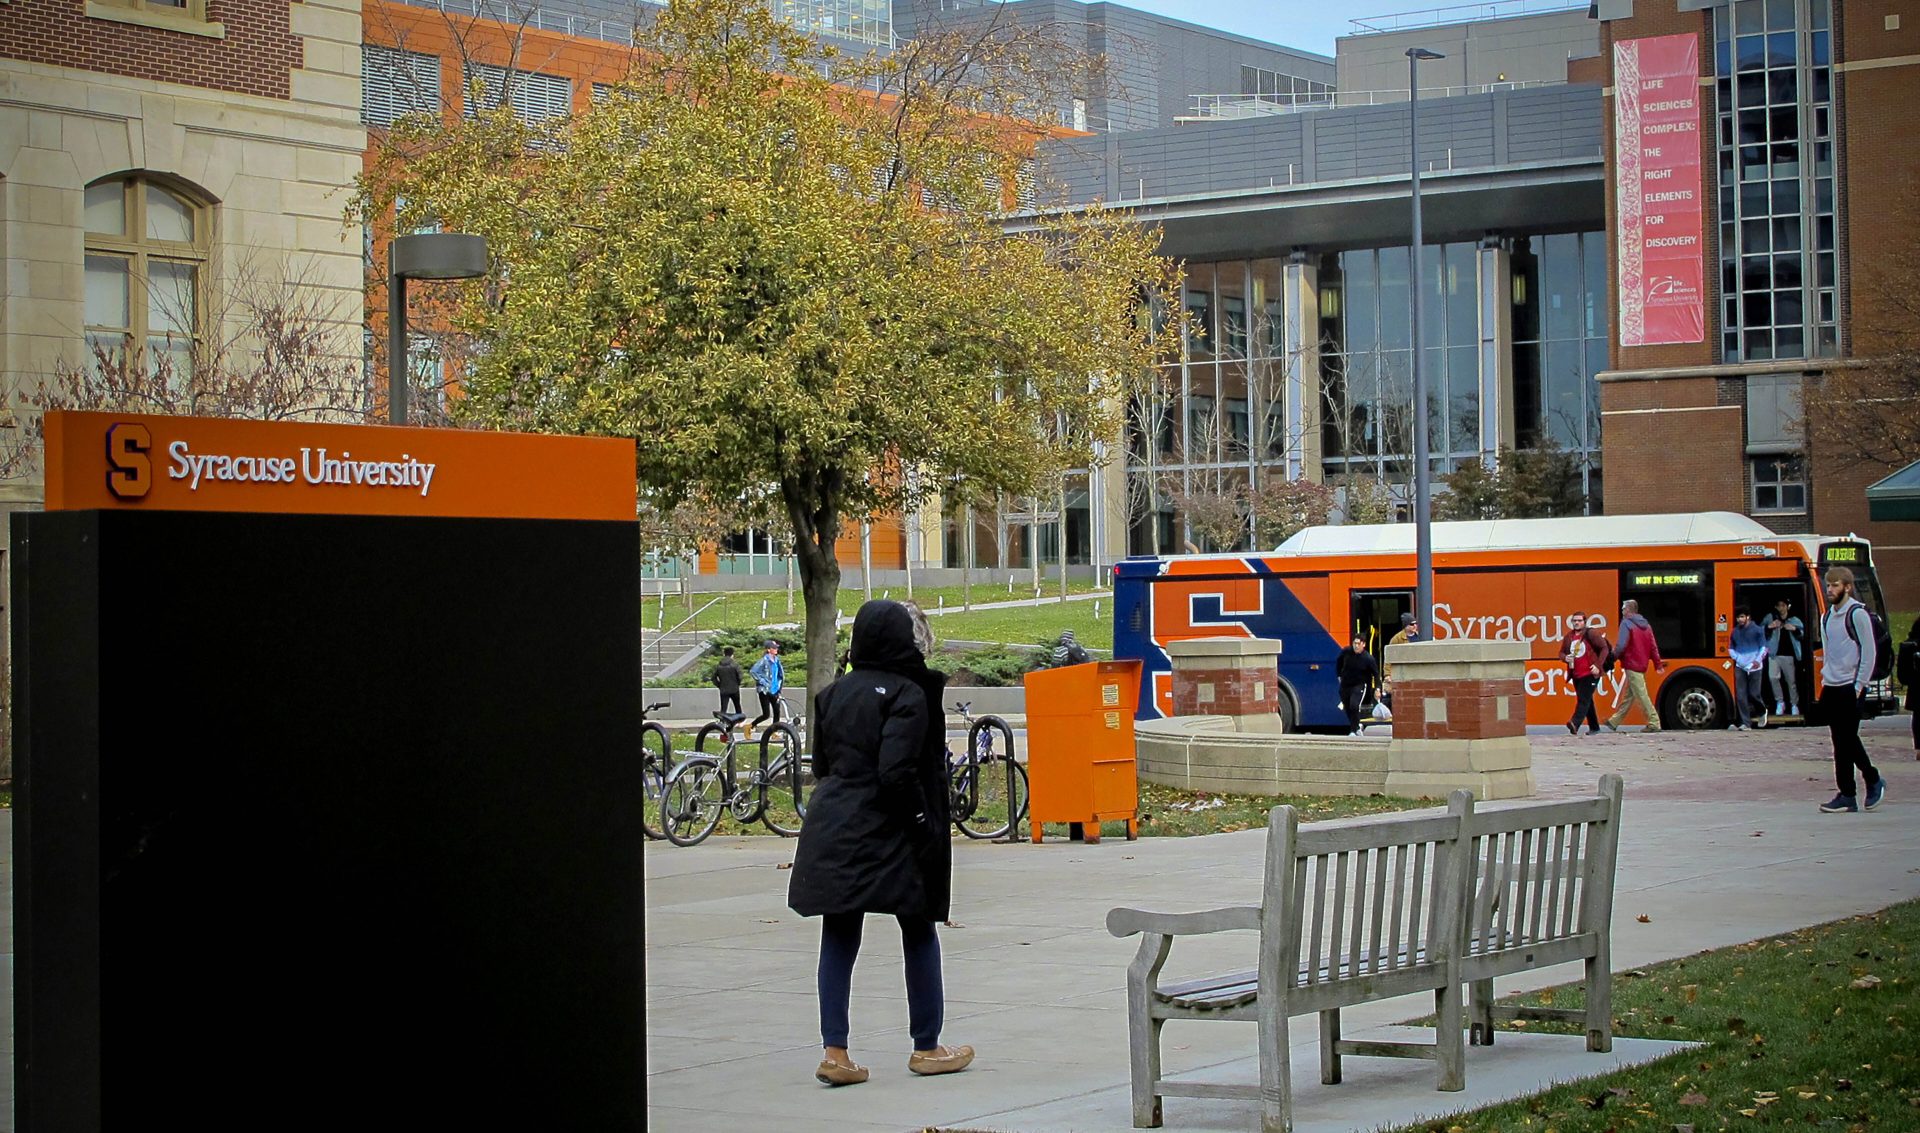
(1288, 712)
(1692, 703)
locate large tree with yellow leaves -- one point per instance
(783, 273)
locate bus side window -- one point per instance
(1677, 601)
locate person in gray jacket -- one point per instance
(1784, 636)
(1846, 667)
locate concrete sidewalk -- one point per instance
(1721, 843)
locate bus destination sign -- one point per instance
(1658, 578)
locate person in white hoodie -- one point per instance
(1846, 666)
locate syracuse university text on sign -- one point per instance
(1656, 121)
(117, 460)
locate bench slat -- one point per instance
(1503, 817)
(1342, 835)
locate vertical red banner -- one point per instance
(1656, 125)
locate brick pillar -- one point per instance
(1235, 677)
(1459, 719)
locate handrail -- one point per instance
(683, 621)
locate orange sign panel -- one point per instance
(121, 460)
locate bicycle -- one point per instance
(986, 802)
(656, 758)
(703, 786)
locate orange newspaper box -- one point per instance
(1080, 746)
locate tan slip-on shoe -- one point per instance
(941, 1060)
(833, 1073)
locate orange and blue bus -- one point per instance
(1503, 580)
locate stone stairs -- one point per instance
(662, 650)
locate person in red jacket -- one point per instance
(1636, 650)
(1585, 651)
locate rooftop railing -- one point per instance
(1461, 14)
(1223, 107)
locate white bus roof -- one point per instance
(1534, 534)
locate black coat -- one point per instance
(1354, 669)
(726, 677)
(876, 838)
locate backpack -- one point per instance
(1882, 643)
(1909, 666)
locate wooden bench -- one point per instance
(1353, 911)
(1542, 894)
(1366, 909)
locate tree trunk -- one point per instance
(815, 533)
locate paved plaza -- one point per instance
(1721, 843)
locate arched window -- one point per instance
(145, 263)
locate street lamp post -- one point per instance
(1422, 470)
(423, 255)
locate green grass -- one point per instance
(1790, 1040)
(1027, 625)
(743, 607)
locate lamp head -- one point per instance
(1423, 54)
(439, 255)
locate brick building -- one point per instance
(156, 158)
(1804, 158)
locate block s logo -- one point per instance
(129, 468)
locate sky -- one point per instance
(1305, 24)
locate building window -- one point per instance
(1773, 85)
(188, 16)
(395, 83)
(1779, 484)
(1558, 291)
(146, 253)
(534, 97)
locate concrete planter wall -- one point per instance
(1206, 753)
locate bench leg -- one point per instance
(1330, 1047)
(1449, 1036)
(1276, 1068)
(1599, 1003)
(1480, 1010)
(1146, 1072)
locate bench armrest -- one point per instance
(1127, 922)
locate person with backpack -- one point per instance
(1069, 651)
(726, 678)
(1847, 667)
(1636, 651)
(1586, 652)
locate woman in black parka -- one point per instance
(876, 837)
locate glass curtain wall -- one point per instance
(1367, 360)
(1559, 295)
(1774, 88)
(1216, 420)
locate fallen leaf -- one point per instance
(1694, 1097)
(1805, 1095)
(1683, 1127)
(1644, 919)
(1865, 983)
(1690, 991)
(784, 865)
(1749, 1113)
(1843, 1083)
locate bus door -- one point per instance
(1760, 599)
(1375, 615)
(1677, 601)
